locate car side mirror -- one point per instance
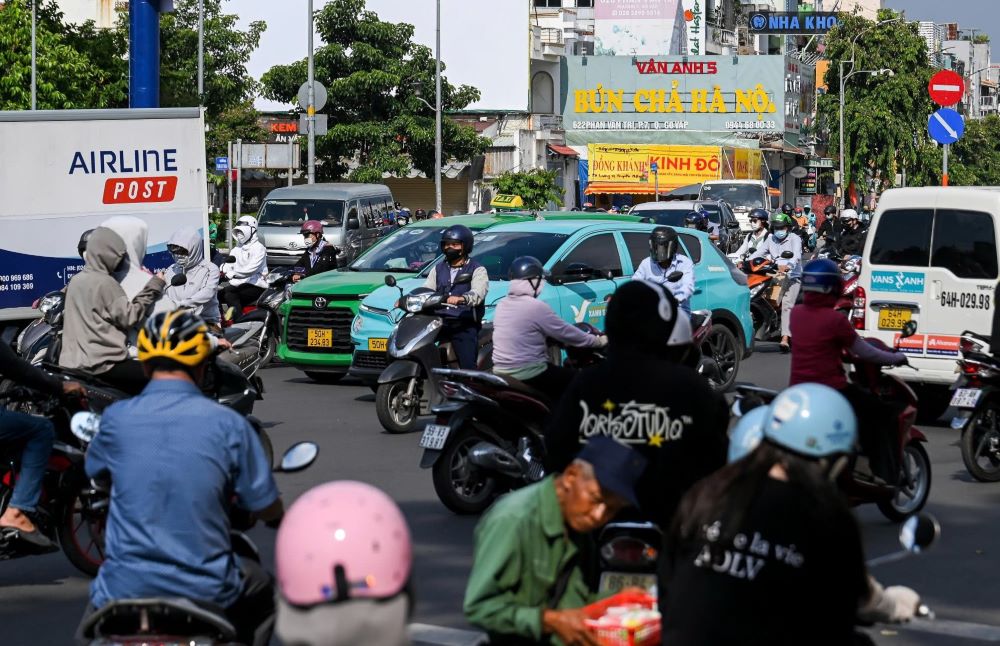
(463, 278)
(390, 281)
(675, 276)
(353, 224)
(918, 533)
(298, 457)
(909, 329)
(787, 255)
(178, 280)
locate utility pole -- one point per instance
(311, 108)
(201, 52)
(437, 114)
(34, 62)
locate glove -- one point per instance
(602, 341)
(895, 604)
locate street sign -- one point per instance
(798, 172)
(320, 124)
(221, 163)
(654, 168)
(945, 126)
(946, 88)
(319, 97)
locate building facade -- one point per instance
(103, 12)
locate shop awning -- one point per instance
(565, 151)
(628, 188)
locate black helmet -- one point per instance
(419, 214)
(697, 220)
(829, 210)
(525, 268)
(645, 316)
(787, 209)
(663, 245)
(458, 233)
(760, 214)
(82, 245)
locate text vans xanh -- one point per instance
(930, 256)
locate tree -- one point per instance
(974, 160)
(536, 187)
(885, 117)
(372, 71)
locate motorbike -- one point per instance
(255, 331)
(627, 555)
(766, 287)
(34, 340)
(169, 620)
(408, 387)
(977, 401)
(895, 502)
(850, 266)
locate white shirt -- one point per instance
(681, 289)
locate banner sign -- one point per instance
(790, 23)
(640, 27)
(676, 165)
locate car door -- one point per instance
(584, 299)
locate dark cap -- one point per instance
(616, 466)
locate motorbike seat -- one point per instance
(163, 614)
(523, 388)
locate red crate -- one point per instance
(646, 634)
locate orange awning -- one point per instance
(565, 151)
(629, 188)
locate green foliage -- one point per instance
(974, 160)
(536, 187)
(371, 69)
(885, 118)
(239, 121)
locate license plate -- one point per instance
(893, 319)
(319, 338)
(378, 345)
(966, 397)
(434, 437)
(613, 582)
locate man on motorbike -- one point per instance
(319, 256)
(773, 248)
(664, 260)
(135, 233)
(852, 236)
(522, 326)
(527, 583)
(36, 435)
(821, 336)
(829, 231)
(246, 273)
(355, 589)
(200, 291)
(176, 461)
(463, 317)
(699, 221)
(670, 415)
(758, 232)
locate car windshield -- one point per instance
(292, 213)
(497, 250)
(738, 195)
(408, 249)
(670, 217)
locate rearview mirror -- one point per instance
(353, 223)
(675, 276)
(178, 280)
(390, 281)
(463, 278)
(909, 329)
(298, 457)
(787, 255)
(918, 533)
(85, 426)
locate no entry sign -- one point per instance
(946, 88)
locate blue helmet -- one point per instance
(811, 420)
(459, 233)
(822, 275)
(696, 220)
(747, 434)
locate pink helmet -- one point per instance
(312, 226)
(347, 532)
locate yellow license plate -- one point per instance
(319, 338)
(378, 345)
(893, 319)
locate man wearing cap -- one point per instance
(526, 584)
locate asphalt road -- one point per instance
(41, 598)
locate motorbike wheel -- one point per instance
(462, 487)
(722, 346)
(911, 497)
(267, 351)
(393, 414)
(980, 441)
(265, 442)
(81, 531)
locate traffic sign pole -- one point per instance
(655, 169)
(944, 168)
(229, 186)
(311, 108)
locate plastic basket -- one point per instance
(645, 634)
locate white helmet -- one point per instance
(849, 214)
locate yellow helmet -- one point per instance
(179, 336)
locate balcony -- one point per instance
(547, 43)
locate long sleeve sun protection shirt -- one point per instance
(682, 289)
(522, 547)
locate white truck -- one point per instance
(743, 195)
(66, 171)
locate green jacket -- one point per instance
(522, 546)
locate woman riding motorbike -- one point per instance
(247, 271)
(200, 291)
(758, 233)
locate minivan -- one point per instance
(354, 217)
(930, 256)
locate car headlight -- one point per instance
(48, 302)
(415, 303)
(356, 324)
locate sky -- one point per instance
(476, 40)
(983, 15)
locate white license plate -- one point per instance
(434, 437)
(966, 397)
(612, 582)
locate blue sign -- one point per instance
(654, 167)
(792, 23)
(221, 163)
(945, 126)
(900, 282)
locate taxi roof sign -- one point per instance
(507, 202)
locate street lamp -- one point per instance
(854, 44)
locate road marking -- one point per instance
(945, 125)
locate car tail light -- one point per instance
(860, 303)
(628, 551)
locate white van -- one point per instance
(930, 256)
(744, 195)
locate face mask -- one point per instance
(452, 254)
(240, 236)
(781, 234)
(310, 240)
(180, 258)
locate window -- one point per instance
(374, 212)
(496, 251)
(585, 3)
(290, 213)
(542, 93)
(965, 243)
(693, 246)
(408, 250)
(548, 3)
(599, 252)
(903, 238)
(637, 244)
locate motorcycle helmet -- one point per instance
(81, 246)
(696, 220)
(312, 228)
(822, 276)
(663, 245)
(645, 316)
(787, 209)
(180, 336)
(781, 223)
(829, 210)
(849, 214)
(245, 229)
(457, 233)
(811, 420)
(747, 434)
(530, 269)
(420, 214)
(760, 214)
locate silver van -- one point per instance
(354, 217)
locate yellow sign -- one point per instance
(659, 100)
(509, 202)
(676, 165)
(746, 164)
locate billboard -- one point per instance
(649, 27)
(676, 165)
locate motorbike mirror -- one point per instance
(909, 329)
(178, 280)
(752, 250)
(298, 457)
(675, 276)
(787, 255)
(464, 278)
(918, 533)
(230, 258)
(85, 425)
(390, 281)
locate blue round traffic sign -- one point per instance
(945, 126)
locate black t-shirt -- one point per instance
(852, 241)
(794, 575)
(665, 411)
(326, 260)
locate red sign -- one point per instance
(673, 67)
(946, 88)
(134, 190)
(942, 345)
(910, 345)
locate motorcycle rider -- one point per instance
(352, 590)
(699, 221)
(464, 319)
(670, 416)
(35, 434)
(135, 233)
(319, 256)
(664, 260)
(521, 327)
(200, 292)
(176, 460)
(778, 243)
(758, 232)
(829, 231)
(821, 336)
(852, 235)
(246, 273)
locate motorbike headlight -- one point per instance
(356, 324)
(415, 303)
(274, 301)
(49, 302)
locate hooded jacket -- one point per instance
(200, 292)
(97, 312)
(251, 256)
(135, 233)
